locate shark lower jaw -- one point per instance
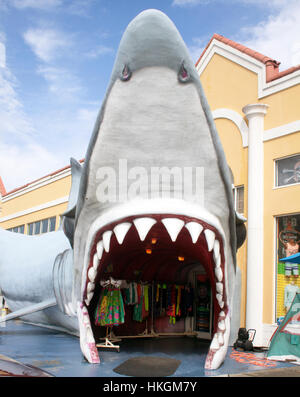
(157, 247)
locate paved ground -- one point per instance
(59, 354)
(290, 372)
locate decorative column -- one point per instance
(254, 304)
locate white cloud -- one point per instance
(197, 47)
(189, 2)
(38, 4)
(80, 7)
(2, 55)
(88, 115)
(61, 83)
(278, 36)
(20, 154)
(99, 51)
(20, 164)
(47, 44)
(13, 120)
(268, 4)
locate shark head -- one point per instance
(154, 200)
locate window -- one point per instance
(287, 171)
(37, 227)
(288, 243)
(238, 196)
(52, 222)
(17, 229)
(30, 229)
(43, 226)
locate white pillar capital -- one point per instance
(255, 109)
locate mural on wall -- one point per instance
(288, 280)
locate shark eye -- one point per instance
(126, 73)
(183, 74)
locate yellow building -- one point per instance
(256, 110)
(36, 207)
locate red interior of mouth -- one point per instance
(132, 260)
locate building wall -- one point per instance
(37, 201)
(229, 87)
(237, 158)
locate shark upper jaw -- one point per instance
(188, 230)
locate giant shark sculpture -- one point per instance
(154, 115)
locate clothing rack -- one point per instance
(110, 338)
(146, 333)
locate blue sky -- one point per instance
(56, 58)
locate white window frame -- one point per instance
(275, 186)
(41, 226)
(235, 195)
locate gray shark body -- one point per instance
(154, 115)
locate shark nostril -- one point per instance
(126, 73)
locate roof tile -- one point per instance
(272, 66)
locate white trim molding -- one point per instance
(264, 88)
(40, 207)
(236, 118)
(282, 130)
(37, 184)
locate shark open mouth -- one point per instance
(162, 248)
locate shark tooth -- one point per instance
(106, 239)
(210, 238)
(95, 261)
(219, 273)
(216, 249)
(195, 230)
(100, 249)
(221, 325)
(90, 287)
(89, 297)
(173, 226)
(92, 274)
(215, 343)
(220, 300)
(143, 225)
(121, 231)
(218, 261)
(219, 288)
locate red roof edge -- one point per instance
(2, 188)
(272, 66)
(36, 180)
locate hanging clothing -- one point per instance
(289, 294)
(141, 308)
(171, 311)
(110, 309)
(189, 300)
(290, 268)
